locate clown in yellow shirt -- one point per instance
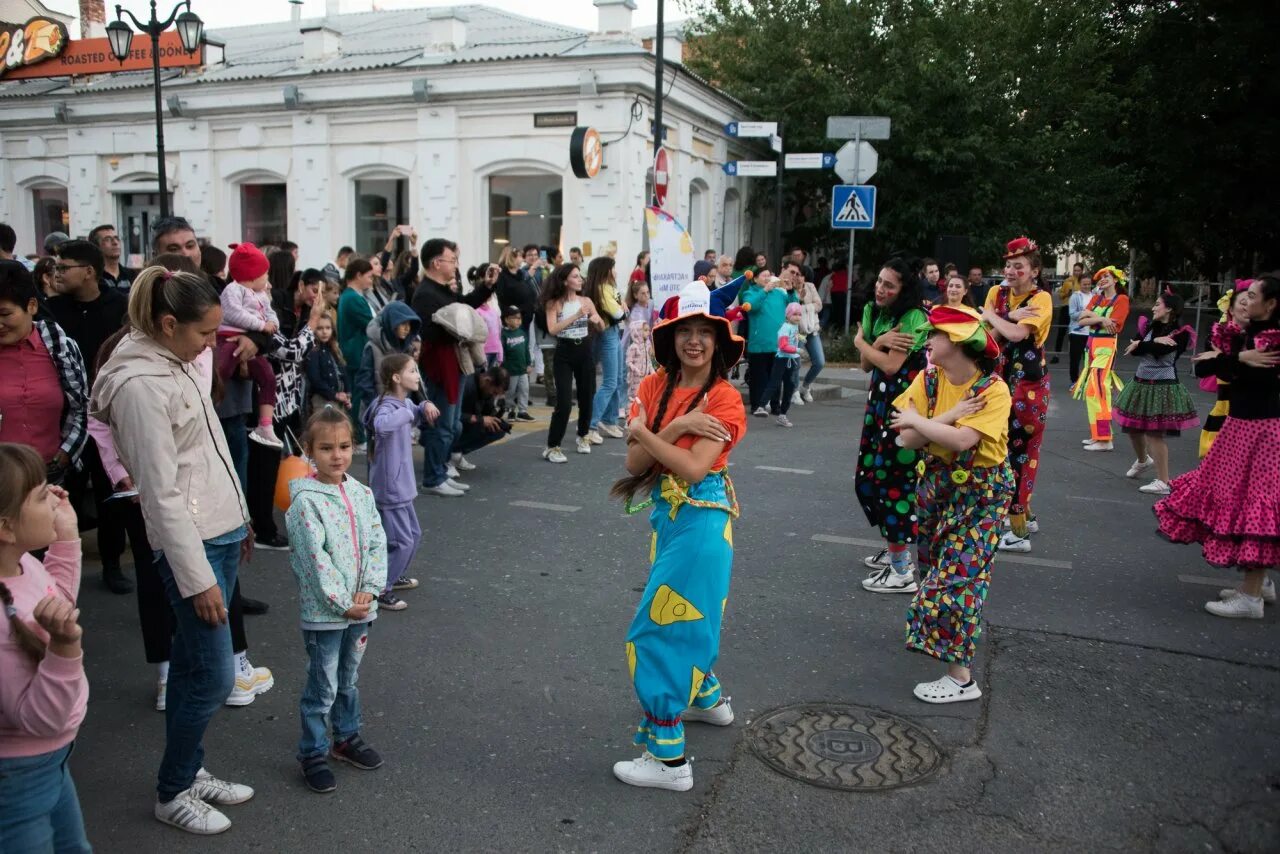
(957, 411)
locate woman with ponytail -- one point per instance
(169, 440)
(685, 420)
(957, 413)
(43, 693)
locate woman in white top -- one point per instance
(570, 318)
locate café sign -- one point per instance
(51, 54)
(25, 45)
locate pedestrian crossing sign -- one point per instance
(853, 206)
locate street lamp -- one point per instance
(190, 31)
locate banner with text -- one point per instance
(670, 255)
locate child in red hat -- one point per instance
(246, 307)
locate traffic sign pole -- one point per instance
(848, 295)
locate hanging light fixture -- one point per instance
(120, 37)
(190, 30)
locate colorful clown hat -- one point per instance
(1020, 246)
(963, 325)
(694, 300)
(1116, 273)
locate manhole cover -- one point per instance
(844, 747)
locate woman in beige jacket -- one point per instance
(169, 438)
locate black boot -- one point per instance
(115, 580)
(253, 607)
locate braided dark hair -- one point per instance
(627, 487)
(28, 641)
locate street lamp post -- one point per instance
(190, 30)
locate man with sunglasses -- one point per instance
(90, 313)
(114, 274)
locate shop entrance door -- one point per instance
(137, 212)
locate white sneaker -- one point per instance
(761, 412)
(211, 790)
(584, 445)
(162, 692)
(878, 562)
(1268, 592)
(1155, 487)
(1088, 441)
(187, 812)
(457, 484)
(796, 398)
(594, 437)
(451, 472)
(264, 435)
(613, 431)
(651, 773)
(1011, 542)
(554, 455)
(1239, 607)
(250, 683)
(461, 463)
(720, 714)
(444, 490)
(806, 394)
(1139, 466)
(783, 421)
(1033, 525)
(888, 581)
(1100, 446)
(360, 449)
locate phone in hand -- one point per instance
(542, 253)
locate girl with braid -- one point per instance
(684, 422)
(43, 693)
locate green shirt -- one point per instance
(354, 314)
(515, 350)
(768, 312)
(876, 323)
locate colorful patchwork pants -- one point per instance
(959, 531)
(1095, 384)
(1027, 417)
(674, 639)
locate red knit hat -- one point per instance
(246, 263)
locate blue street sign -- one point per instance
(751, 168)
(828, 161)
(853, 206)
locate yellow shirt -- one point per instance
(1068, 287)
(1039, 300)
(992, 422)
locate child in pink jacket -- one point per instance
(43, 690)
(246, 307)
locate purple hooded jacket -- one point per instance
(389, 422)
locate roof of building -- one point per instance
(367, 40)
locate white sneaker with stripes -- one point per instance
(187, 812)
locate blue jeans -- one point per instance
(613, 386)
(238, 445)
(331, 690)
(817, 358)
(785, 372)
(39, 809)
(201, 673)
(437, 440)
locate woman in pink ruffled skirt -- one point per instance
(1231, 503)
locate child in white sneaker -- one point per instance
(246, 307)
(339, 558)
(44, 693)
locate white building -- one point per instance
(330, 131)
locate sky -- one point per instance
(229, 13)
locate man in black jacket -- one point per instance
(441, 372)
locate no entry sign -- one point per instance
(661, 177)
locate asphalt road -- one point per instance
(1117, 715)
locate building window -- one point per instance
(52, 213)
(697, 224)
(137, 211)
(381, 205)
(264, 213)
(524, 209)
